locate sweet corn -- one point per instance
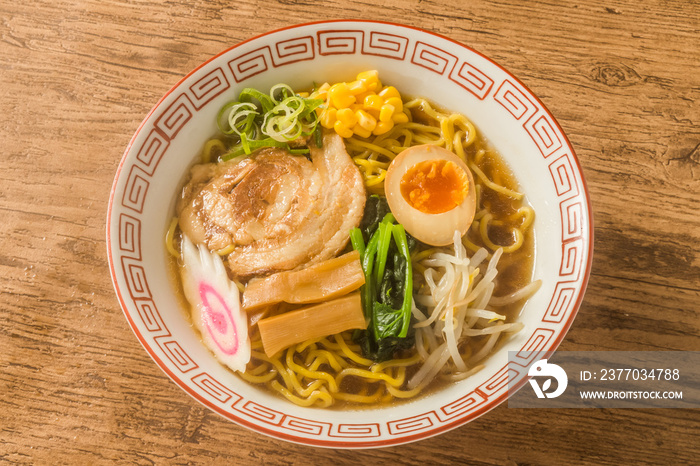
(365, 121)
(328, 117)
(368, 75)
(374, 113)
(357, 87)
(347, 117)
(321, 92)
(371, 79)
(360, 98)
(399, 117)
(388, 92)
(386, 113)
(361, 107)
(383, 127)
(396, 102)
(373, 102)
(360, 131)
(342, 130)
(340, 96)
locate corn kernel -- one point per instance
(383, 127)
(388, 92)
(360, 98)
(368, 75)
(328, 118)
(324, 87)
(396, 102)
(320, 92)
(360, 131)
(340, 95)
(371, 79)
(373, 101)
(365, 120)
(342, 130)
(373, 111)
(357, 87)
(399, 117)
(386, 112)
(347, 117)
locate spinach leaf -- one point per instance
(387, 321)
(392, 286)
(376, 209)
(384, 349)
(388, 289)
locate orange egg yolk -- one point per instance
(434, 186)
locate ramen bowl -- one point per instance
(419, 63)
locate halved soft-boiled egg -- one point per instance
(431, 193)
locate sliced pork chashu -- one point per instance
(279, 211)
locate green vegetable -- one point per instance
(258, 120)
(358, 243)
(318, 137)
(388, 289)
(376, 208)
(402, 243)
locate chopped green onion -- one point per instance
(244, 143)
(250, 145)
(284, 89)
(298, 151)
(249, 95)
(256, 119)
(318, 136)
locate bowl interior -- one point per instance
(418, 63)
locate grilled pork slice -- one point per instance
(278, 211)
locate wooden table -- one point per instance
(77, 78)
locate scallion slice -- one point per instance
(258, 120)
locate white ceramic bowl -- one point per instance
(418, 63)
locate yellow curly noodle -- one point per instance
(170, 239)
(312, 373)
(331, 371)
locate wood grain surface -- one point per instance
(77, 78)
